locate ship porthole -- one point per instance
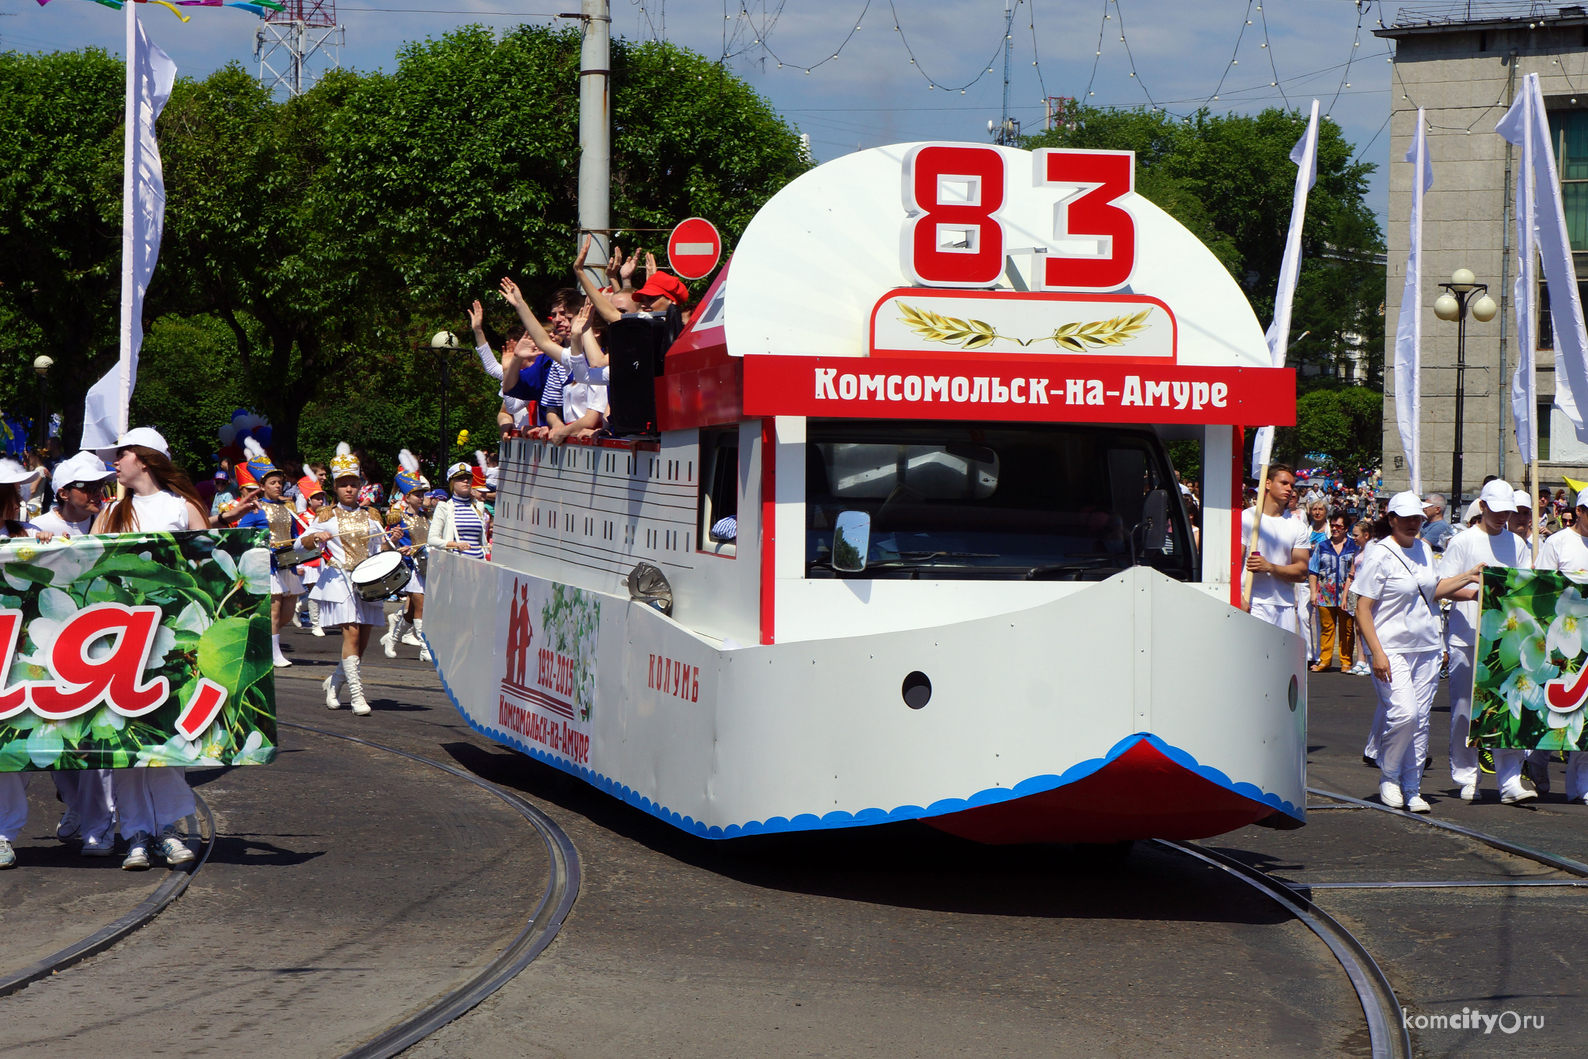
(917, 690)
(1293, 692)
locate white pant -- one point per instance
(1404, 704)
(88, 793)
(13, 805)
(1464, 758)
(1304, 619)
(150, 799)
(1281, 614)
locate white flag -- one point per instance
(1409, 329)
(1541, 234)
(1305, 155)
(150, 75)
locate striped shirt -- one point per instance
(470, 528)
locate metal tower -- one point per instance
(287, 39)
(1007, 131)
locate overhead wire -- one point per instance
(1234, 54)
(1272, 63)
(1101, 26)
(1131, 56)
(1356, 42)
(764, 31)
(1036, 60)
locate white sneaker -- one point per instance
(8, 856)
(137, 853)
(317, 631)
(281, 661)
(1517, 795)
(97, 846)
(173, 849)
(69, 826)
(1469, 793)
(1390, 795)
(1416, 804)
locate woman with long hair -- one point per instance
(157, 497)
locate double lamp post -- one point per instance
(1461, 295)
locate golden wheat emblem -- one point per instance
(974, 334)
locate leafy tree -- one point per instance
(1230, 180)
(60, 223)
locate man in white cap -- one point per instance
(1284, 545)
(1490, 543)
(1567, 552)
(1521, 521)
(80, 492)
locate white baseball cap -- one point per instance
(1473, 511)
(148, 437)
(1498, 496)
(1523, 501)
(13, 473)
(1581, 499)
(84, 467)
(1406, 504)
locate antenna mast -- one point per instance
(287, 39)
(1007, 134)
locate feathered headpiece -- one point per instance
(344, 464)
(408, 477)
(259, 464)
(477, 472)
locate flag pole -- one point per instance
(1251, 543)
(129, 177)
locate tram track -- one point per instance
(562, 888)
(164, 895)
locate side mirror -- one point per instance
(851, 541)
(1155, 521)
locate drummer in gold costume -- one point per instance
(408, 625)
(349, 534)
(278, 516)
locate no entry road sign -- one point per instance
(694, 248)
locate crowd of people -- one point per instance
(1395, 595)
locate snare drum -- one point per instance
(421, 559)
(290, 555)
(379, 576)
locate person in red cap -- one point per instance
(660, 291)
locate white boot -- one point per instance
(275, 648)
(333, 684)
(314, 618)
(411, 632)
(419, 634)
(355, 686)
(388, 642)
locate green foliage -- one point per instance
(1346, 424)
(1229, 179)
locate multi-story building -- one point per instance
(1463, 63)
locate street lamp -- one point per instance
(42, 365)
(444, 344)
(1453, 305)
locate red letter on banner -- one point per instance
(12, 700)
(1104, 176)
(201, 708)
(952, 238)
(113, 679)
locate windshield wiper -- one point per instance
(1037, 573)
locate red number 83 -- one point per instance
(954, 238)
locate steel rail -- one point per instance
(1387, 1034)
(170, 888)
(562, 887)
(1565, 864)
(1446, 884)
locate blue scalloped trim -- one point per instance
(866, 817)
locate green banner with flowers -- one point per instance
(1529, 683)
(136, 649)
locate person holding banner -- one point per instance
(80, 495)
(350, 533)
(1283, 550)
(1489, 543)
(1567, 552)
(158, 497)
(1398, 622)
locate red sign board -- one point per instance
(694, 248)
(1041, 389)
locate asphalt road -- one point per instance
(349, 886)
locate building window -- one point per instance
(719, 491)
(1546, 322)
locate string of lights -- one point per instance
(1131, 56)
(1099, 56)
(1272, 64)
(1234, 54)
(932, 82)
(1036, 60)
(1362, 7)
(764, 31)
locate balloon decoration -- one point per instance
(244, 425)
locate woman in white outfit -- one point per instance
(13, 785)
(159, 497)
(349, 534)
(1398, 621)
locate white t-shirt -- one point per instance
(52, 522)
(161, 511)
(1277, 538)
(1401, 581)
(1467, 550)
(1564, 550)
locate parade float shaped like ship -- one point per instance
(933, 389)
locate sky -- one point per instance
(884, 71)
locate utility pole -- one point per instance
(595, 135)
